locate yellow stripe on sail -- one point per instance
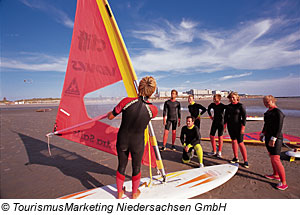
(119, 48)
(120, 51)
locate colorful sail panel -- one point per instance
(94, 63)
(253, 138)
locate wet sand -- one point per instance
(28, 171)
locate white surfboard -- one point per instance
(254, 118)
(295, 154)
(179, 185)
(248, 118)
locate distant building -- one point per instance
(200, 93)
(214, 92)
(206, 93)
(164, 94)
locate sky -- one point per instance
(246, 46)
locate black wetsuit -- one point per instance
(273, 128)
(189, 136)
(136, 114)
(235, 117)
(173, 112)
(194, 111)
(218, 121)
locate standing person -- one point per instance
(171, 115)
(194, 110)
(217, 124)
(190, 139)
(272, 132)
(136, 114)
(235, 117)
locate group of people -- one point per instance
(137, 112)
(232, 116)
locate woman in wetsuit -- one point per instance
(136, 114)
(171, 115)
(272, 132)
(217, 124)
(194, 110)
(190, 139)
(235, 119)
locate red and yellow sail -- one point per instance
(98, 58)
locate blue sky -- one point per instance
(246, 46)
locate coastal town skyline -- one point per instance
(246, 46)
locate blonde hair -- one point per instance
(217, 96)
(147, 86)
(269, 98)
(231, 94)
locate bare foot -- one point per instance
(120, 194)
(136, 195)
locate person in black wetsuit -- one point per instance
(235, 119)
(190, 139)
(217, 124)
(272, 132)
(194, 110)
(171, 115)
(136, 114)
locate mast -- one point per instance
(131, 83)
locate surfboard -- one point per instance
(253, 138)
(179, 185)
(249, 118)
(254, 118)
(293, 154)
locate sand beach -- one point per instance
(29, 172)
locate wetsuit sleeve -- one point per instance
(264, 127)
(279, 122)
(179, 111)
(243, 115)
(203, 109)
(182, 135)
(118, 109)
(165, 109)
(208, 109)
(153, 110)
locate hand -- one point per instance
(211, 117)
(243, 130)
(164, 121)
(261, 137)
(225, 128)
(271, 143)
(178, 122)
(110, 116)
(186, 149)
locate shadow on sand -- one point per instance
(69, 163)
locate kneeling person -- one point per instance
(190, 139)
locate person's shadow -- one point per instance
(69, 163)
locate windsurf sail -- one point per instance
(98, 58)
(253, 138)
